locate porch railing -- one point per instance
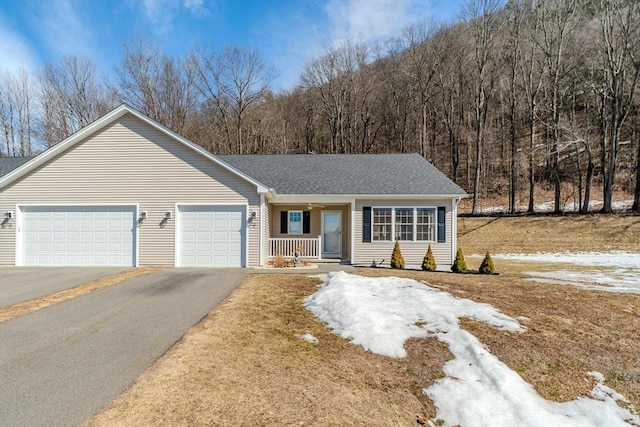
(287, 247)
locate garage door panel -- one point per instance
(206, 234)
(78, 235)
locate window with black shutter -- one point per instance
(284, 222)
(366, 224)
(442, 229)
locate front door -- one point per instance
(331, 234)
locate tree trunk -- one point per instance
(636, 198)
(532, 164)
(587, 187)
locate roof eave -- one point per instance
(313, 198)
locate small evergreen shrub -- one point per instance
(429, 261)
(397, 261)
(487, 265)
(459, 265)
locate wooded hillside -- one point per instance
(533, 94)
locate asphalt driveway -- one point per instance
(18, 284)
(62, 364)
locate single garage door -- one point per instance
(211, 236)
(78, 235)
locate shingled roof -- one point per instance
(7, 164)
(345, 173)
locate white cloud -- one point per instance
(63, 30)
(16, 53)
(161, 13)
(196, 7)
(373, 20)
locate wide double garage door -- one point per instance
(78, 235)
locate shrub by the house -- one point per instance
(459, 264)
(397, 261)
(487, 265)
(429, 261)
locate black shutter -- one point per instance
(284, 222)
(366, 224)
(442, 229)
(306, 222)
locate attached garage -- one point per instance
(211, 236)
(77, 235)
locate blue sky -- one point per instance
(287, 32)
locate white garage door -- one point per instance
(211, 236)
(78, 235)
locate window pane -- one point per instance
(404, 224)
(295, 222)
(381, 224)
(426, 224)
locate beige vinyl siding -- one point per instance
(412, 252)
(130, 162)
(315, 223)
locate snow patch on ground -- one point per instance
(308, 338)
(478, 390)
(622, 273)
(620, 259)
(619, 281)
(549, 207)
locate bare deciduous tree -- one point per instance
(234, 81)
(155, 84)
(620, 46)
(71, 97)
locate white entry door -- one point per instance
(212, 236)
(78, 235)
(331, 234)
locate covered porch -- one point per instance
(314, 231)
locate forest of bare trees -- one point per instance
(508, 100)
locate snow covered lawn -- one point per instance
(381, 313)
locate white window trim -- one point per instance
(289, 223)
(415, 223)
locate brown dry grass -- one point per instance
(244, 365)
(548, 234)
(26, 307)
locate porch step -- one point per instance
(329, 261)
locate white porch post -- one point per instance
(320, 246)
(261, 228)
(352, 218)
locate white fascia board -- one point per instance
(347, 198)
(106, 120)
